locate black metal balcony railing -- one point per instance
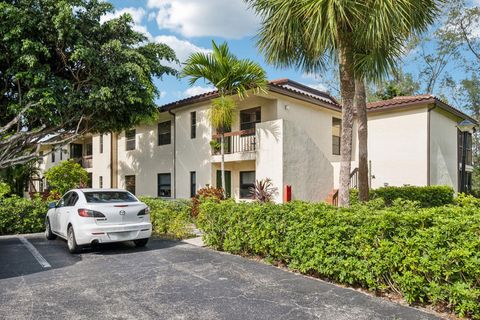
(238, 141)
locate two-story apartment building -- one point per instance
(291, 135)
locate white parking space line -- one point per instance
(41, 260)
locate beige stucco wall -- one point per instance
(443, 149)
(235, 168)
(397, 147)
(147, 160)
(101, 161)
(269, 154)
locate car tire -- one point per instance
(48, 231)
(73, 247)
(140, 242)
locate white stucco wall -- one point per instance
(397, 147)
(443, 149)
(147, 160)
(101, 162)
(269, 154)
(192, 154)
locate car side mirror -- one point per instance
(52, 205)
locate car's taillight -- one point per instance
(90, 213)
(144, 212)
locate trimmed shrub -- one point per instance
(203, 194)
(430, 196)
(20, 215)
(170, 217)
(426, 254)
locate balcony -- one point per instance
(85, 161)
(239, 145)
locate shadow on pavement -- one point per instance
(16, 260)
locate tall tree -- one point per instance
(364, 37)
(229, 75)
(64, 73)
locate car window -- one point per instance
(63, 202)
(72, 200)
(109, 197)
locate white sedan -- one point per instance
(92, 216)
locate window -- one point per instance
(130, 139)
(164, 133)
(193, 125)
(61, 154)
(469, 148)
(100, 182)
(53, 155)
(76, 150)
(63, 202)
(247, 180)
(88, 149)
(101, 143)
(130, 183)
(164, 185)
(72, 200)
(90, 180)
(249, 117)
(109, 196)
(193, 184)
(336, 132)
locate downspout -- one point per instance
(174, 189)
(428, 142)
(113, 160)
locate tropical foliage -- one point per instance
(65, 176)
(426, 255)
(230, 76)
(364, 38)
(263, 190)
(64, 73)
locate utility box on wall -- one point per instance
(287, 193)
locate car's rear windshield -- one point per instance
(109, 197)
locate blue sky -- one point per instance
(190, 25)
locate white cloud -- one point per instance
(163, 94)
(317, 86)
(182, 48)
(138, 14)
(196, 90)
(197, 18)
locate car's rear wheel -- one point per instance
(48, 231)
(73, 247)
(140, 242)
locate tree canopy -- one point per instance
(64, 73)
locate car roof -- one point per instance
(99, 190)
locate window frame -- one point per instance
(162, 135)
(163, 185)
(193, 184)
(100, 182)
(127, 186)
(250, 125)
(53, 155)
(245, 187)
(101, 144)
(336, 140)
(130, 136)
(193, 125)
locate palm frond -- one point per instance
(222, 112)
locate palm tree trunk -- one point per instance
(347, 92)
(222, 164)
(361, 108)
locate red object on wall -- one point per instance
(287, 193)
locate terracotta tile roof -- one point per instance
(401, 100)
(421, 99)
(283, 86)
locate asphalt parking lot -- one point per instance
(167, 280)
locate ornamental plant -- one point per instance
(65, 176)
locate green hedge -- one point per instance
(428, 255)
(170, 217)
(20, 215)
(431, 196)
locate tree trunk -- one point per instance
(361, 108)
(222, 164)
(347, 92)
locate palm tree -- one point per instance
(364, 38)
(229, 75)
